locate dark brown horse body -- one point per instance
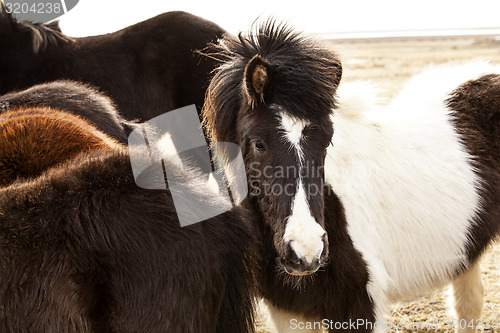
(84, 249)
(147, 69)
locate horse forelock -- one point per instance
(303, 78)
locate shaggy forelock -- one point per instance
(303, 76)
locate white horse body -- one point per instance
(406, 182)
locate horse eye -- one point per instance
(259, 146)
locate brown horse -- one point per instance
(148, 68)
(84, 249)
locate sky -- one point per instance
(93, 17)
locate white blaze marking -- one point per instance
(302, 229)
(293, 128)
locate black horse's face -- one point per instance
(274, 96)
(284, 157)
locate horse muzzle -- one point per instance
(298, 264)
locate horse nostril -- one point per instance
(313, 266)
(300, 265)
(291, 256)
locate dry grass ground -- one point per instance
(389, 63)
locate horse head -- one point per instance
(273, 96)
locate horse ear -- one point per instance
(337, 69)
(256, 78)
(54, 25)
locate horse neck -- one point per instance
(69, 60)
(30, 68)
(266, 265)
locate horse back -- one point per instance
(33, 140)
(148, 68)
(74, 98)
(475, 107)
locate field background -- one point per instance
(389, 63)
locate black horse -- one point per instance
(148, 69)
(84, 249)
(274, 95)
(359, 205)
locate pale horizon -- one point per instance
(94, 17)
